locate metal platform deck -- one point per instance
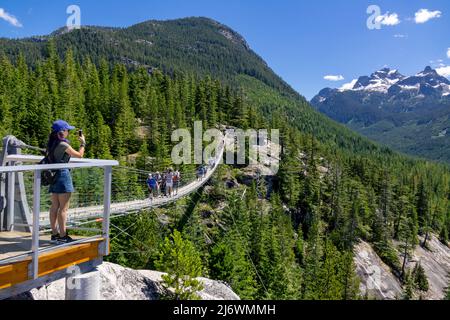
(16, 245)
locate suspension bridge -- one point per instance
(27, 258)
(136, 205)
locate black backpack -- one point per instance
(48, 177)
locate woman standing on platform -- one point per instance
(60, 151)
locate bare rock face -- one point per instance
(436, 263)
(379, 282)
(119, 283)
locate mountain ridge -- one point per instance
(148, 41)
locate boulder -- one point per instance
(119, 283)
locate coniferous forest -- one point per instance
(290, 236)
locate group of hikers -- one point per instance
(165, 184)
(201, 172)
(203, 169)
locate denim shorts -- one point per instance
(63, 182)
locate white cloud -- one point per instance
(423, 15)
(444, 71)
(9, 18)
(400, 36)
(334, 78)
(437, 63)
(349, 86)
(448, 53)
(388, 19)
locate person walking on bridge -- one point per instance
(60, 151)
(159, 180)
(152, 184)
(176, 181)
(200, 173)
(169, 182)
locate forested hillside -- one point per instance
(192, 45)
(284, 237)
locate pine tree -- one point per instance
(348, 276)
(201, 107)
(289, 175)
(104, 102)
(100, 138)
(406, 234)
(182, 263)
(278, 265)
(20, 97)
(443, 235)
(422, 205)
(313, 255)
(71, 104)
(420, 278)
(230, 263)
(408, 287)
(142, 160)
(39, 114)
(125, 121)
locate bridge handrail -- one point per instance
(73, 164)
(37, 159)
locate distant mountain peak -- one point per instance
(379, 81)
(391, 81)
(428, 71)
(386, 73)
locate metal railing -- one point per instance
(12, 168)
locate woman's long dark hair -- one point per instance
(53, 140)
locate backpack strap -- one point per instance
(50, 153)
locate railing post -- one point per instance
(11, 193)
(35, 230)
(106, 208)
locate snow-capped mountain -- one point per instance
(392, 82)
(379, 81)
(410, 113)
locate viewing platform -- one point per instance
(28, 259)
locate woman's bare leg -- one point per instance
(64, 201)
(54, 213)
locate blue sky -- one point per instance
(302, 41)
